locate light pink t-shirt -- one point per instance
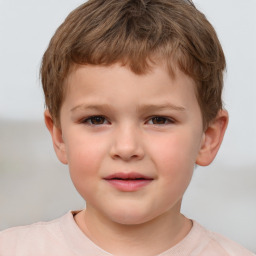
(62, 237)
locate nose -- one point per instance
(127, 144)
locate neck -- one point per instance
(150, 238)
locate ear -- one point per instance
(212, 139)
(56, 133)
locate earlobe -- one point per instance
(212, 139)
(57, 139)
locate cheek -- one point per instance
(174, 158)
(176, 150)
(84, 158)
(83, 150)
(81, 156)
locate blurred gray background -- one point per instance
(35, 186)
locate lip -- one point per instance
(128, 182)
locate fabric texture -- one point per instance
(62, 237)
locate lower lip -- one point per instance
(129, 185)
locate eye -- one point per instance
(95, 120)
(160, 120)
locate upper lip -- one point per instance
(127, 176)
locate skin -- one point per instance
(150, 124)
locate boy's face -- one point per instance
(131, 141)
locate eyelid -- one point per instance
(168, 119)
(86, 120)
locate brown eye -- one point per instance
(159, 120)
(98, 120)
(95, 120)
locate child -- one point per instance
(133, 96)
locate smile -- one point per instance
(128, 182)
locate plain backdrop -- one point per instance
(34, 186)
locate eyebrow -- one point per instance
(165, 106)
(142, 108)
(91, 107)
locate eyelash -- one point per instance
(165, 119)
(89, 120)
(162, 118)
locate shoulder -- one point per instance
(60, 237)
(216, 244)
(33, 230)
(24, 239)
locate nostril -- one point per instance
(126, 149)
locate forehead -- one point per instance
(155, 67)
(158, 73)
(117, 84)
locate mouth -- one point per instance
(128, 182)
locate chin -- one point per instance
(130, 216)
(129, 220)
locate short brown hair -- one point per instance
(134, 33)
